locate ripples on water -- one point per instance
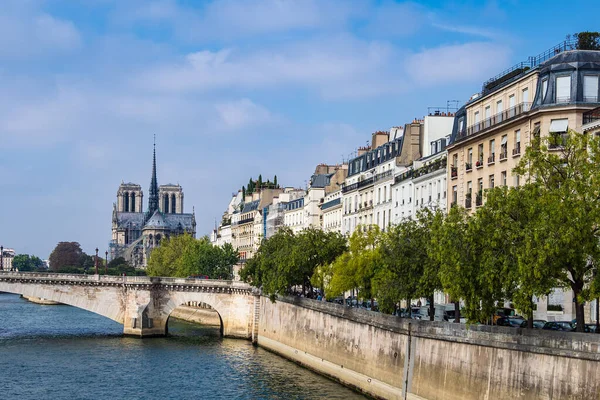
(61, 352)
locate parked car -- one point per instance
(511, 322)
(564, 326)
(591, 328)
(537, 323)
(449, 317)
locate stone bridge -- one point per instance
(142, 304)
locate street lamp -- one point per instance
(96, 261)
(2, 258)
(106, 263)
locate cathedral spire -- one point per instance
(153, 195)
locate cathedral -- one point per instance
(135, 232)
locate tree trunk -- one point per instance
(457, 312)
(598, 315)
(530, 317)
(409, 308)
(431, 309)
(577, 286)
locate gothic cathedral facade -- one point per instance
(135, 232)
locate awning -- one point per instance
(559, 125)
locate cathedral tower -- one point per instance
(130, 198)
(171, 199)
(153, 192)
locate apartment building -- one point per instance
(247, 221)
(367, 191)
(423, 183)
(546, 95)
(332, 212)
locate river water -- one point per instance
(61, 352)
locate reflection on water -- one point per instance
(60, 352)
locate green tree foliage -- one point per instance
(25, 262)
(566, 173)
(515, 233)
(183, 256)
(275, 181)
(457, 247)
(65, 256)
(587, 40)
(287, 261)
(358, 266)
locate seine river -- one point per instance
(61, 352)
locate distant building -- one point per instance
(135, 232)
(7, 256)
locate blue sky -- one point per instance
(231, 88)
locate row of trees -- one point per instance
(68, 257)
(519, 245)
(183, 256)
(254, 185)
(25, 262)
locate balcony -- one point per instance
(468, 201)
(406, 175)
(468, 167)
(454, 172)
(479, 163)
(431, 167)
(493, 121)
(503, 155)
(517, 150)
(382, 175)
(491, 159)
(591, 116)
(479, 199)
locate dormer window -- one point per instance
(590, 88)
(563, 89)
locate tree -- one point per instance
(587, 40)
(429, 281)
(259, 183)
(24, 262)
(356, 268)
(183, 256)
(566, 172)
(457, 247)
(65, 255)
(275, 182)
(287, 260)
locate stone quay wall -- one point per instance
(392, 358)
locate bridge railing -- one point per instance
(123, 279)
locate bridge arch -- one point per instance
(142, 304)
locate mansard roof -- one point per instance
(320, 180)
(251, 206)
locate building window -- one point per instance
(488, 116)
(477, 120)
(470, 158)
(492, 157)
(491, 183)
(525, 95)
(480, 155)
(504, 147)
(517, 149)
(563, 89)
(558, 132)
(499, 110)
(590, 88)
(544, 88)
(503, 178)
(511, 106)
(517, 180)
(454, 194)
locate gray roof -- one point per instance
(130, 220)
(320, 180)
(158, 220)
(251, 206)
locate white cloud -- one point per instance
(457, 63)
(334, 67)
(26, 32)
(243, 114)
